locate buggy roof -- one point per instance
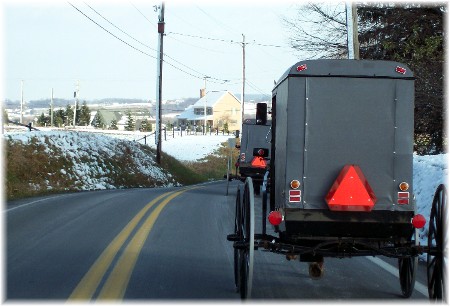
(348, 68)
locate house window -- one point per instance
(201, 111)
(198, 111)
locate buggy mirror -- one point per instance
(261, 113)
(237, 146)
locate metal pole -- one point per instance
(51, 109)
(159, 85)
(21, 102)
(204, 125)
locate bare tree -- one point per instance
(318, 30)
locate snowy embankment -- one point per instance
(429, 172)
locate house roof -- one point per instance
(210, 99)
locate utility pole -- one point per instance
(206, 100)
(243, 76)
(352, 31)
(51, 109)
(159, 83)
(76, 102)
(21, 102)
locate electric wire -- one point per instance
(212, 79)
(107, 20)
(143, 15)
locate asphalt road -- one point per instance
(163, 244)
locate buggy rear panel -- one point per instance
(331, 113)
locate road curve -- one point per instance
(158, 244)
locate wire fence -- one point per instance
(178, 132)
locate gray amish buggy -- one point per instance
(254, 148)
(340, 182)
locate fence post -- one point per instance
(145, 140)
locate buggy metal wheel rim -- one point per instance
(247, 254)
(435, 255)
(407, 268)
(238, 232)
(407, 273)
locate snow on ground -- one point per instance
(183, 147)
(429, 171)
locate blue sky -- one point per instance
(52, 45)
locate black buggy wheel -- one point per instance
(436, 244)
(246, 255)
(407, 272)
(239, 236)
(407, 268)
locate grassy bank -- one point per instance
(42, 165)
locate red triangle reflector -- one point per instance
(351, 191)
(258, 162)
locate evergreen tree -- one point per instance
(68, 116)
(113, 125)
(98, 121)
(146, 126)
(43, 120)
(59, 117)
(130, 125)
(85, 115)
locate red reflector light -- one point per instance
(261, 152)
(404, 195)
(295, 196)
(275, 218)
(418, 221)
(400, 70)
(302, 67)
(351, 191)
(403, 201)
(258, 162)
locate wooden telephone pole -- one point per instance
(159, 83)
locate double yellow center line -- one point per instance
(117, 281)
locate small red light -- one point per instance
(275, 218)
(418, 221)
(243, 157)
(404, 195)
(403, 201)
(302, 67)
(261, 152)
(400, 70)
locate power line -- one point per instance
(202, 37)
(143, 15)
(229, 29)
(228, 41)
(140, 41)
(214, 80)
(131, 46)
(104, 18)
